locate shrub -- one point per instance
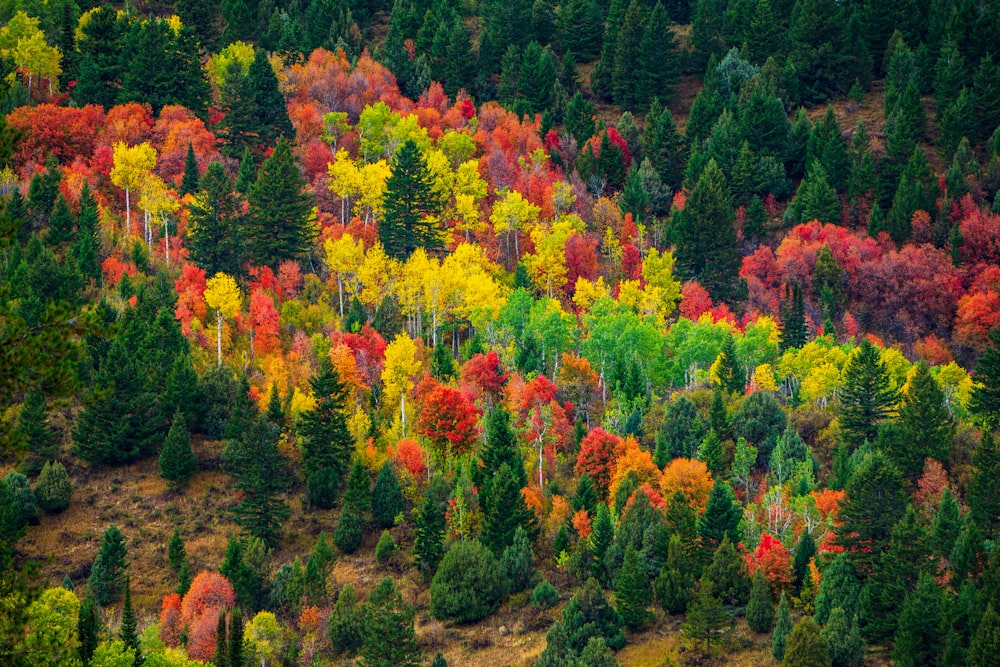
(19, 489)
(53, 488)
(347, 536)
(386, 548)
(467, 585)
(544, 595)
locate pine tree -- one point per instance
(760, 609)
(705, 237)
(633, 591)
(579, 28)
(387, 498)
(84, 249)
(325, 441)
(793, 318)
(506, 512)
(657, 60)
(721, 518)
(388, 637)
(221, 656)
(674, 583)
(843, 639)
(984, 403)
(53, 488)
(867, 397)
(177, 461)
(986, 98)
(728, 573)
(279, 225)
(34, 427)
(88, 627)
(191, 178)
(839, 587)
(107, 576)
(256, 114)
(176, 553)
(411, 206)
(235, 648)
(919, 639)
(664, 145)
(984, 502)
(925, 424)
(348, 534)
(428, 541)
(253, 460)
(215, 236)
(815, 199)
(820, 50)
(985, 644)
(625, 75)
(782, 628)
(804, 551)
(602, 535)
(705, 615)
(805, 646)
(579, 118)
(128, 633)
(732, 374)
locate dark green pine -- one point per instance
(411, 206)
(867, 397)
(191, 178)
(215, 232)
(128, 631)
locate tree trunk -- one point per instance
(218, 337)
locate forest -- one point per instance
(564, 333)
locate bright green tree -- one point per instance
(805, 646)
(467, 585)
(867, 397)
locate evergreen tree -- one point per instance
(36, 431)
(705, 237)
(728, 573)
(815, 199)
(579, 28)
(442, 363)
(867, 397)
(710, 452)
(664, 145)
(657, 59)
(984, 402)
(673, 586)
(221, 656)
(721, 518)
(468, 584)
(874, 502)
(579, 118)
(732, 374)
(625, 75)
(388, 637)
(278, 223)
(820, 49)
(843, 639)
(128, 633)
(917, 190)
(253, 460)
(411, 206)
(88, 627)
(517, 563)
(839, 587)
(387, 498)
(215, 235)
(925, 424)
(705, 615)
(805, 646)
(633, 591)
(760, 609)
(947, 525)
(804, 552)
(348, 534)
(107, 576)
(919, 639)
(986, 643)
(680, 433)
(191, 178)
(984, 502)
(345, 627)
(428, 541)
(53, 488)
(985, 98)
(326, 443)
(163, 67)
(602, 534)
(506, 512)
(61, 223)
(782, 628)
(256, 114)
(235, 648)
(793, 318)
(176, 553)
(84, 250)
(177, 461)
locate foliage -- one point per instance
(467, 585)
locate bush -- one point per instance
(347, 537)
(19, 489)
(517, 563)
(545, 595)
(468, 585)
(53, 488)
(386, 548)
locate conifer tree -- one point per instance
(518, 563)
(867, 397)
(673, 586)
(664, 145)
(782, 628)
(326, 443)
(411, 206)
(387, 497)
(793, 322)
(625, 75)
(657, 59)
(760, 609)
(732, 374)
(177, 461)
(846, 648)
(278, 223)
(88, 627)
(705, 615)
(256, 114)
(221, 656)
(984, 402)
(985, 645)
(348, 534)
(984, 502)
(925, 424)
(919, 639)
(874, 502)
(107, 576)
(506, 512)
(176, 553)
(633, 591)
(579, 118)
(839, 587)
(253, 460)
(721, 518)
(821, 51)
(388, 637)
(191, 178)
(705, 237)
(128, 633)
(428, 542)
(235, 648)
(804, 551)
(728, 573)
(579, 27)
(602, 535)
(805, 646)
(215, 235)
(53, 488)
(34, 427)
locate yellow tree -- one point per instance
(132, 165)
(510, 215)
(401, 364)
(376, 276)
(658, 271)
(409, 290)
(343, 257)
(23, 42)
(345, 181)
(371, 189)
(547, 266)
(469, 189)
(157, 202)
(222, 294)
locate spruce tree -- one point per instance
(88, 627)
(411, 206)
(919, 639)
(732, 374)
(191, 178)
(221, 656)
(984, 502)
(706, 246)
(235, 648)
(721, 518)
(625, 75)
(428, 541)
(579, 118)
(633, 591)
(985, 645)
(387, 497)
(85, 248)
(925, 424)
(325, 441)
(804, 552)
(657, 60)
(39, 436)
(760, 609)
(843, 639)
(793, 322)
(867, 397)
(256, 114)
(348, 534)
(107, 576)
(705, 615)
(506, 512)
(821, 51)
(128, 633)
(253, 460)
(388, 637)
(984, 403)
(177, 461)
(874, 501)
(215, 235)
(805, 646)
(782, 628)
(278, 223)
(176, 553)
(664, 145)
(673, 586)
(839, 587)
(728, 573)
(53, 488)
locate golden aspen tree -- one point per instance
(223, 295)
(158, 203)
(132, 165)
(343, 257)
(401, 364)
(510, 215)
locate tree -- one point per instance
(279, 222)
(867, 396)
(681, 432)
(128, 633)
(132, 165)
(731, 373)
(793, 322)
(53, 488)
(925, 424)
(22, 497)
(467, 585)
(401, 364)
(428, 541)
(411, 206)
(826, 66)
(325, 441)
(721, 518)
(705, 615)
(843, 639)
(760, 609)
(177, 461)
(874, 501)
(657, 60)
(919, 637)
(984, 505)
(345, 627)
(839, 587)
(253, 460)
(804, 552)
(984, 402)
(761, 422)
(215, 234)
(107, 576)
(448, 420)
(986, 642)
(782, 628)
(88, 627)
(506, 512)
(256, 114)
(806, 646)
(633, 591)
(388, 637)
(728, 574)
(348, 534)
(387, 497)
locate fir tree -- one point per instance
(411, 206)
(804, 552)
(221, 656)
(107, 576)
(34, 427)
(256, 114)
(760, 609)
(235, 648)
(506, 512)
(705, 615)
(53, 488)
(176, 553)
(428, 542)
(633, 591)
(657, 60)
(326, 443)
(986, 643)
(278, 224)
(805, 646)
(128, 633)
(782, 628)
(919, 639)
(253, 460)
(721, 518)
(732, 374)
(387, 498)
(867, 397)
(984, 502)
(839, 587)
(728, 573)
(388, 637)
(191, 178)
(88, 627)
(348, 534)
(874, 502)
(925, 424)
(673, 586)
(177, 461)
(85, 248)
(215, 235)
(984, 404)
(843, 639)
(625, 75)
(579, 119)
(664, 145)
(793, 322)
(602, 535)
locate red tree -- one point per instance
(598, 453)
(448, 420)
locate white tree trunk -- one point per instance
(218, 337)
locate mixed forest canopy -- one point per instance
(533, 332)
